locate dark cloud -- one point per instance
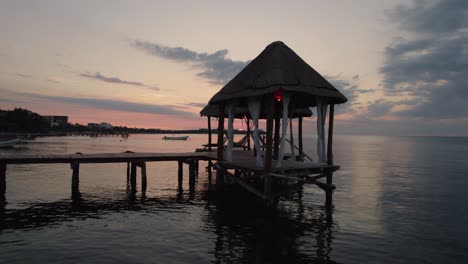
(431, 65)
(98, 76)
(350, 89)
(194, 104)
(23, 75)
(109, 104)
(215, 67)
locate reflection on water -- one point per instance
(397, 200)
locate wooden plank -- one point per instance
(101, 157)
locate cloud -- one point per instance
(215, 67)
(430, 65)
(23, 75)
(52, 80)
(194, 104)
(109, 104)
(98, 76)
(350, 89)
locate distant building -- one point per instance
(99, 126)
(56, 121)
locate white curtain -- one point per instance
(321, 117)
(230, 110)
(284, 126)
(254, 108)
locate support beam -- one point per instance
(330, 135)
(299, 129)
(75, 166)
(241, 182)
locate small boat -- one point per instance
(175, 138)
(8, 142)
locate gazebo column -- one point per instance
(329, 194)
(270, 111)
(220, 147)
(299, 131)
(209, 133)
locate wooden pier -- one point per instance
(133, 160)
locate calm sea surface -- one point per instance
(398, 200)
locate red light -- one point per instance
(277, 95)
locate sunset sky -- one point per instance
(403, 65)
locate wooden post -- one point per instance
(143, 176)
(128, 172)
(301, 146)
(248, 133)
(330, 135)
(3, 168)
(75, 166)
(133, 173)
(220, 148)
(209, 133)
(269, 107)
(277, 131)
(329, 191)
(191, 164)
(181, 173)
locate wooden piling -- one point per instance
(329, 192)
(75, 166)
(192, 173)
(143, 176)
(128, 172)
(133, 172)
(180, 173)
(3, 168)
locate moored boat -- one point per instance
(176, 138)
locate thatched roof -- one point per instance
(279, 67)
(240, 112)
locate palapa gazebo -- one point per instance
(277, 86)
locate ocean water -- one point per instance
(398, 200)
